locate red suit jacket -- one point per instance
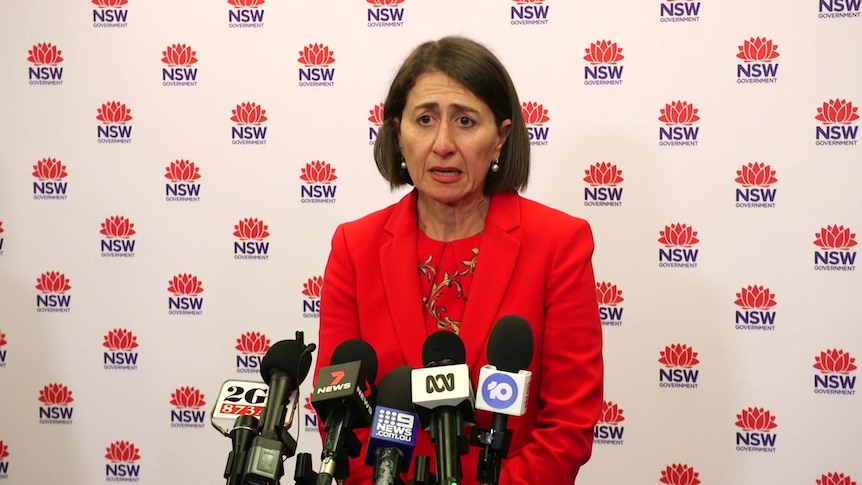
(533, 261)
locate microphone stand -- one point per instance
(422, 472)
(495, 446)
(242, 434)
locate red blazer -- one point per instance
(535, 262)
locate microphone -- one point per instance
(444, 398)
(394, 430)
(284, 367)
(503, 387)
(240, 402)
(339, 397)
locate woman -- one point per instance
(464, 249)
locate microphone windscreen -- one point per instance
(443, 346)
(287, 356)
(394, 388)
(356, 350)
(510, 345)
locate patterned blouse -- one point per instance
(446, 272)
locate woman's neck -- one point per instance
(445, 222)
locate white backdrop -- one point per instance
(711, 145)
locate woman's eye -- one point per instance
(465, 121)
(424, 120)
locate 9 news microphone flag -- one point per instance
(395, 428)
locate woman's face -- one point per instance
(449, 138)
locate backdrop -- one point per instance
(172, 172)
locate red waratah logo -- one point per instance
(308, 406)
(835, 237)
(376, 114)
(110, 3)
(603, 173)
(313, 287)
(187, 398)
(253, 343)
(758, 49)
(248, 114)
(611, 413)
(756, 419)
(55, 395)
(756, 174)
(835, 479)
(2, 339)
(1, 227)
(117, 227)
(608, 294)
(120, 339)
(837, 111)
(384, 3)
(316, 55)
(604, 52)
(114, 112)
(755, 298)
(123, 452)
(185, 284)
(179, 55)
(182, 171)
(678, 355)
(534, 113)
(53, 282)
(679, 474)
(4, 450)
(246, 3)
(679, 113)
(49, 169)
(835, 361)
(318, 172)
(678, 235)
(529, 2)
(251, 228)
(45, 54)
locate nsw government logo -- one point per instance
(252, 346)
(121, 353)
(122, 463)
(529, 12)
(835, 254)
(179, 58)
(535, 116)
(311, 289)
(245, 14)
(835, 479)
(832, 9)
(679, 474)
(678, 240)
(187, 412)
(603, 178)
(316, 59)
(110, 13)
(318, 188)
(678, 117)
(755, 180)
(3, 343)
(836, 116)
(756, 435)
(251, 233)
(603, 57)
(4, 463)
(53, 286)
(49, 185)
(835, 366)
(183, 186)
(680, 11)
(45, 58)
(757, 54)
(376, 120)
(608, 430)
(114, 115)
(311, 421)
(679, 361)
(186, 289)
(117, 242)
(755, 311)
(56, 406)
(610, 297)
(248, 118)
(386, 13)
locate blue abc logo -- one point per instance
(500, 391)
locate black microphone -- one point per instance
(503, 387)
(395, 428)
(284, 367)
(443, 396)
(339, 398)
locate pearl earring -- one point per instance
(495, 166)
(403, 164)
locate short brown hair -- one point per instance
(475, 67)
